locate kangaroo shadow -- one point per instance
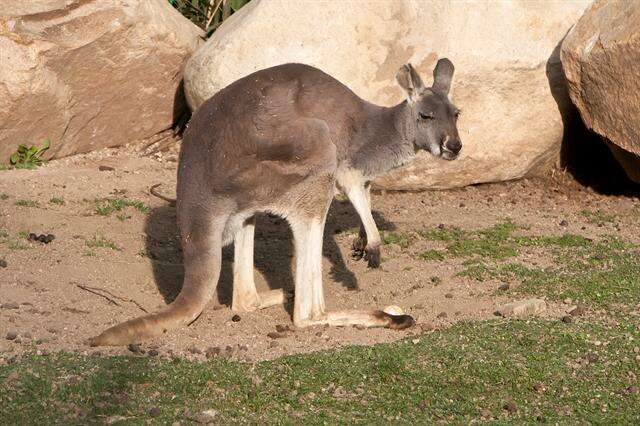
(273, 251)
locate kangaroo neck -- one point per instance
(385, 140)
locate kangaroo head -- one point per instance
(433, 118)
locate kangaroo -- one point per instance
(279, 141)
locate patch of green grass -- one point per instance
(604, 272)
(27, 203)
(57, 200)
(598, 216)
(3, 167)
(18, 245)
(463, 374)
(3, 196)
(432, 255)
(106, 206)
(402, 239)
(89, 253)
(4, 233)
(98, 241)
(23, 234)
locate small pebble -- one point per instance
(153, 352)
(134, 347)
(564, 223)
(592, 358)
(633, 389)
(154, 411)
(577, 311)
(195, 350)
(273, 344)
(236, 318)
(32, 237)
(105, 168)
(3, 263)
(12, 335)
(449, 296)
(567, 319)
(538, 387)
(511, 407)
(442, 315)
(441, 226)
(275, 335)
(436, 280)
(504, 287)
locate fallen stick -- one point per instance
(97, 291)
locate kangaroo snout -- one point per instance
(454, 145)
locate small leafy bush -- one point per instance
(29, 157)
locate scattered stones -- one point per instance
(154, 411)
(441, 315)
(449, 296)
(521, 308)
(564, 223)
(105, 168)
(503, 287)
(153, 352)
(134, 347)
(3, 263)
(10, 305)
(12, 335)
(567, 319)
(236, 318)
(275, 335)
(436, 280)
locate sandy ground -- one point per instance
(46, 289)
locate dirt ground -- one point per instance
(56, 295)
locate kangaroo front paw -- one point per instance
(372, 256)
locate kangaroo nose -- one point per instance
(454, 145)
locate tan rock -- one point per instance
(89, 74)
(522, 308)
(601, 59)
(510, 125)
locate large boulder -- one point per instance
(89, 74)
(507, 70)
(601, 60)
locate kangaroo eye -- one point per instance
(457, 113)
(426, 115)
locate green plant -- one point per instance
(402, 239)
(3, 196)
(208, 14)
(17, 245)
(432, 255)
(29, 157)
(106, 206)
(57, 200)
(98, 241)
(27, 203)
(4, 233)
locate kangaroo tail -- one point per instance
(202, 251)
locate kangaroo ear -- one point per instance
(442, 75)
(410, 81)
